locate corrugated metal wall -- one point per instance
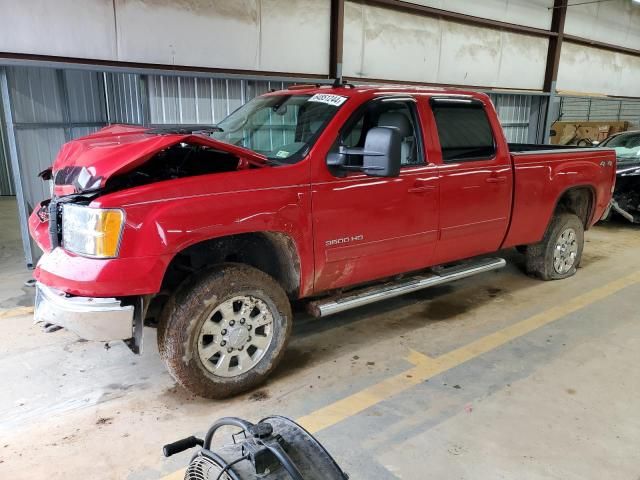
(50, 107)
(589, 109)
(514, 112)
(169, 99)
(193, 100)
(124, 98)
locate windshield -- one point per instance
(281, 127)
(626, 145)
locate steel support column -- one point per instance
(336, 38)
(553, 61)
(23, 213)
(555, 44)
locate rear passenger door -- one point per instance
(475, 179)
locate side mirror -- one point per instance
(381, 155)
(382, 152)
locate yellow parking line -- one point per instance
(426, 367)
(14, 312)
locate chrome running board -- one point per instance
(357, 298)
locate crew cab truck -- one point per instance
(338, 195)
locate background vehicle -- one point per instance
(626, 196)
(342, 196)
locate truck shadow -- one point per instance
(315, 341)
(617, 223)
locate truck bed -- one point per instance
(542, 173)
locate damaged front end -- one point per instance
(123, 157)
(626, 196)
(77, 278)
(119, 157)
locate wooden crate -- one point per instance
(584, 133)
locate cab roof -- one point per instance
(347, 90)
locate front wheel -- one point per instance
(225, 331)
(559, 253)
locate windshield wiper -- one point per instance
(184, 129)
(272, 161)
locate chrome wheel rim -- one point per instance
(565, 251)
(235, 336)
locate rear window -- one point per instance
(464, 130)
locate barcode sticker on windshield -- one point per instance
(335, 100)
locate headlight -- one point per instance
(93, 232)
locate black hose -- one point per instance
(229, 465)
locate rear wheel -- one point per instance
(559, 253)
(225, 331)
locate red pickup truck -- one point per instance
(338, 195)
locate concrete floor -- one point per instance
(497, 376)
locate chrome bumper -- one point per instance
(99, 319)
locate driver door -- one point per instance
(366, 228)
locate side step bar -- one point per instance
(357, 298)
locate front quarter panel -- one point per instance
(163, 219)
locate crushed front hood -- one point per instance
(119, 149)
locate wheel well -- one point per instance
(273, 253)
(579, 201)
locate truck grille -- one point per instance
(55, 223)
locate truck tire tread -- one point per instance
(539, 256)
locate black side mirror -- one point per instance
(382, 154)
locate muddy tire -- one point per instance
(559, 253)
(225, 330)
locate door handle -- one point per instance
(420, 187)
(496, 179)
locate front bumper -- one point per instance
(99, 319)
(92, 277)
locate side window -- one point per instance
(464, 131)
(399, 114)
